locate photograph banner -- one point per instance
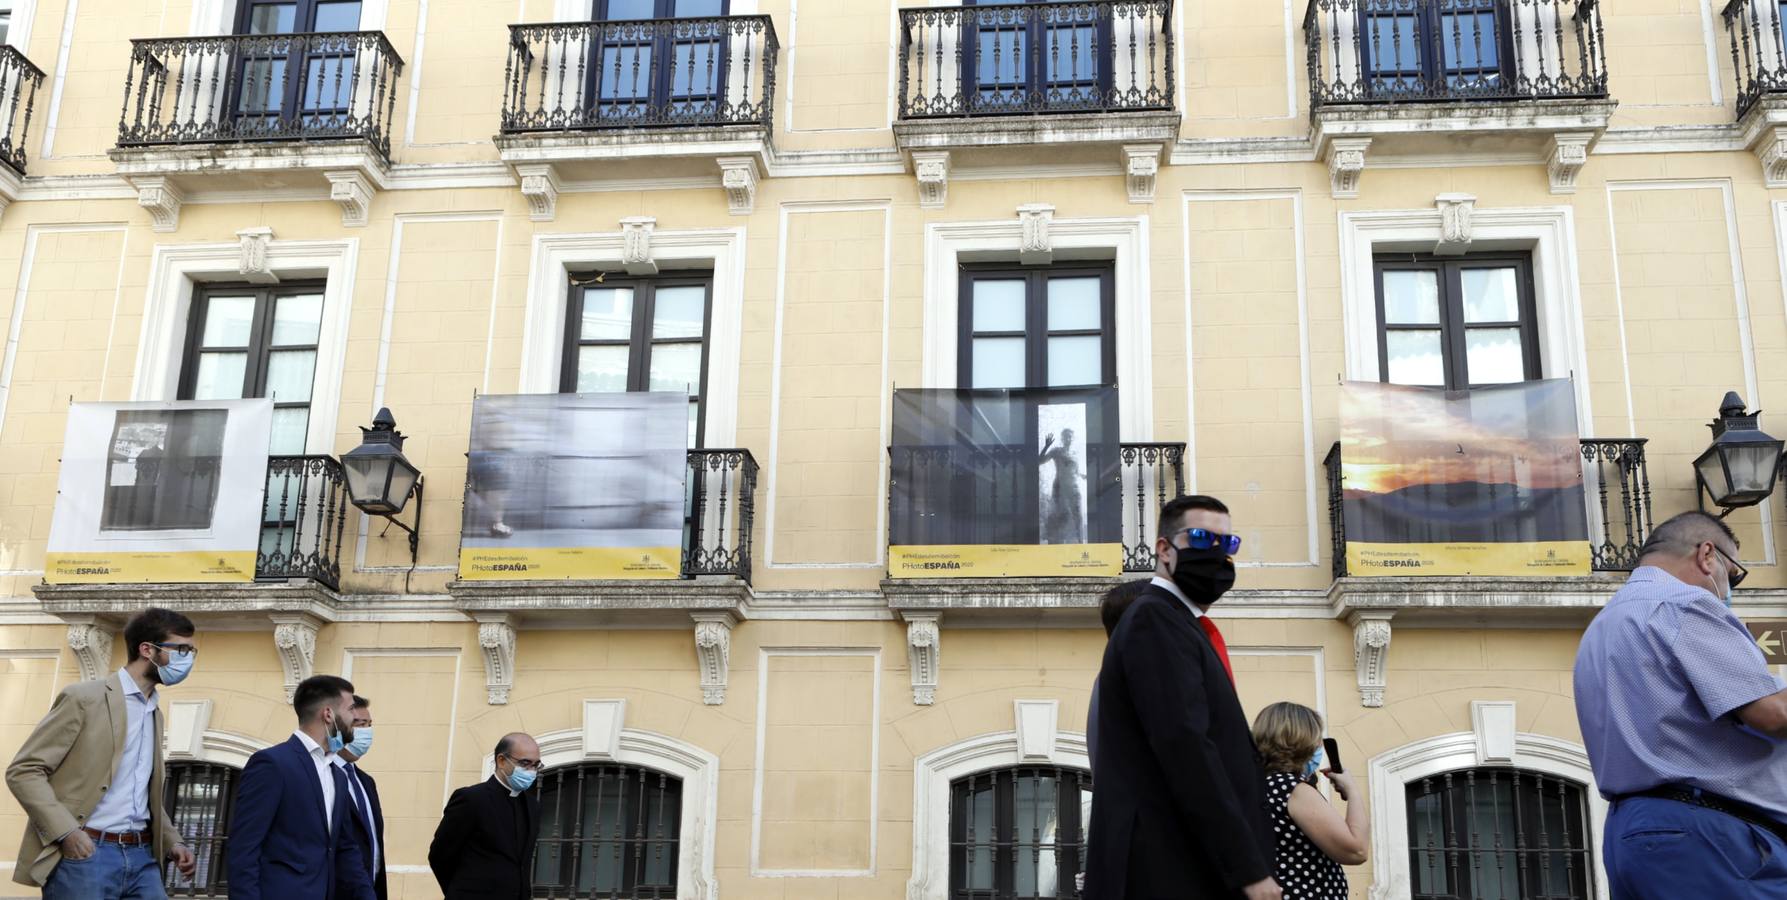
(1480, 482)
(998, 484)
(160, 492)
(575, 486)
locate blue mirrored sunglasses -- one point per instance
(1202, 539)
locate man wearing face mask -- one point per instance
(292, 832)
(90, 776)
(368, 812)
(484, 847)
(1686, 728)
(1179, 809)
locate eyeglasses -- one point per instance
(1738, 572)
(184, 649)
(532, 765)
(1204, 539)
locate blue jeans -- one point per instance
(113, 872)
(1665, 850)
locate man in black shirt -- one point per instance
(484, 846)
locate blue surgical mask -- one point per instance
(520, 779)
(179, 666)
(362, 742)
(335, 741)
(1314, 765)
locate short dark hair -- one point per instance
(316, 692)
(154, 625)
(1174, 512)
(1683, 532)
(361, 702)
(1116, 601)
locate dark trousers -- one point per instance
(1667, 850)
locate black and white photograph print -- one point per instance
(163, 469)
(1061, 472)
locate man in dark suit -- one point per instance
(369, 814)
(292, 831)
(1178, 809)
(484, 846)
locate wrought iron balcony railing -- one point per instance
(261, 87)
(19, 81)
(1390, 51)
(1026, 58)
(1616, 477)
(650, 72)
(722, 512)
(1152, 475)
(303, 520)
(1758, 50)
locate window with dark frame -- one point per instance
(677, 72)
(1416, 49)
(273, 85)
(1037, 326)
(1025, 61)
(609, 831)
(248, 341)
(200, 798)
(640, 334)
(1017, 834)
(1491, 833)
(1456, 322)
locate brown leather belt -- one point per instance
(128, 839)
(1707, 800)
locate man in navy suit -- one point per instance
(292, 832)
(369, 814)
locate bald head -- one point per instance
(1697, 549)
(518, 745)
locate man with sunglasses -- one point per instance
(483, 848)
(1180, 805)
(1686, 728)
(90, 776)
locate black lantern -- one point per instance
(379, 479)
(1740, 467)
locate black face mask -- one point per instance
(1204, 575)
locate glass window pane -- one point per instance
(1070, 54)
(697, 66)
(999, 305)
(679, 312)
(982, 840)
(1490, 295)
(1411, 297)
(273, 18)
(631, 9)
(328, 83)
(338, 15)
(290, 425)
(1394, 44)
(1494, 356)
(1075, 361)
(296, 320)
(1001, 62)
(5, 24)
(998, 363)
(288, 375)
(228, 321)
(1415, 358)
(263, 86)
(698, 8)
(1467, 40)
(1074, 304)
(220, 376)
(626, 71)
(676, 367)
(1034, 816)
(601, 370)
(607, 314)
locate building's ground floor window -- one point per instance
(1017, 834)
(1498, 834)
(608, 831)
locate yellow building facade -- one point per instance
(798, 207)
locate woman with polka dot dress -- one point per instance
(1314, 839)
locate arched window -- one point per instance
(199, 797)
(608, 831)
(1498, 834)
(1017, 833)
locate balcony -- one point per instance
(1759, 58)
(245, 112)
(19, 81)
(650, 98)
(1093, 79)
(1422, 80)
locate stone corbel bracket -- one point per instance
(253, 264)
(294, 636)
(1035, 246)
(161, 199)
(636, 245)
(1371, 650)
(1569, 153)
(1455, 224)
(1141, 166)
(713, 649)
(496, 637)
(353, 190)
(539, 187)
(1772, 151)
(738, 178)
(1346, 162)
(924, 645)
(931, 168)
(92, 646)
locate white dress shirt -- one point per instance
(355, 784)
(322, 759)
(124, 806)
(1171, 588)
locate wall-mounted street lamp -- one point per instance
(380, 480)
(1740, 467)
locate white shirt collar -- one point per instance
(130, 685)
(1171, 588)
(312, 747)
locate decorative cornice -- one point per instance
(114, 604)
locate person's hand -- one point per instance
(1343, 783)
(77, 845)
(1263, 890)
(1048, 442)
(184, 860)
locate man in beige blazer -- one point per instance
(90, 776)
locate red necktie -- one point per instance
(1222, 648)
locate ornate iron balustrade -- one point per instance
(1758, 50)
(722, 512)
(1614, 474)
(590, 75)
(263, 87)
(303, 520)
(1023, 58)
(1389, 51)
(1152, 475)
(19, 81)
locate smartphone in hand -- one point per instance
(1332, 750)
